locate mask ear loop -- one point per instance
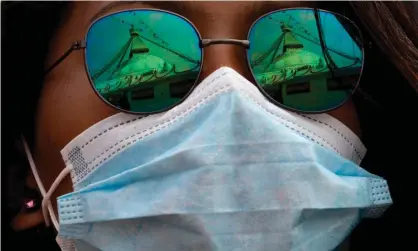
(46, 204)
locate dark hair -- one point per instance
(394, 28)
(391, 63)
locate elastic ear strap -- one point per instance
(32, 166)
(66, 244)
(40, 186)
(46, 200)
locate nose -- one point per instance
(216, 56)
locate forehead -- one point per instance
(198, 9)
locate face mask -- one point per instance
(224, 170)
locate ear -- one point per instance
(31, 213)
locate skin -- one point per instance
(68, 104)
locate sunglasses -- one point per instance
(147, 61)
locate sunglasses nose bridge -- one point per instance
(225, 52)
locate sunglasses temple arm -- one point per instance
(77, 45)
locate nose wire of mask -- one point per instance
(46, 204)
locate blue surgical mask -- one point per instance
(224, 170)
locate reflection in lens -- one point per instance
(295, 68)
(137, 59)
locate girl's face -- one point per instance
(68, 104)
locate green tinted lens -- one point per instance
(295, 69)
(143, 60)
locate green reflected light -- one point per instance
(136, 65)
(290, 65)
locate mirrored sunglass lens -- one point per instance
(291, 65)
(143, 60)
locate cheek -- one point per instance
(348, 116)
(68, 106)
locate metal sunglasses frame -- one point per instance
(81, 45)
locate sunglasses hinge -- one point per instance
(79, 44)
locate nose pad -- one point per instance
(219, 55)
